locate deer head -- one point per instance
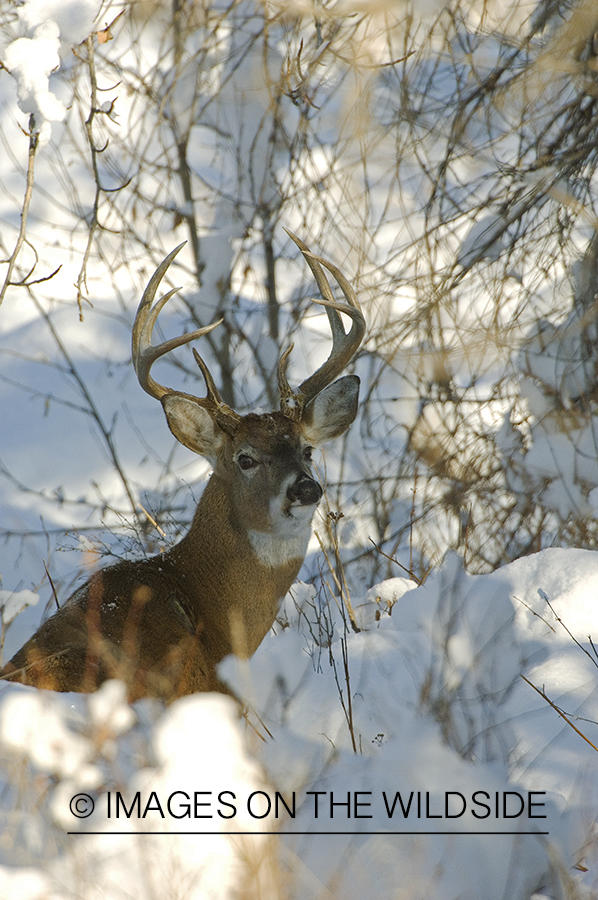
(261, 457)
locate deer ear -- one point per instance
(193, 426)
(331, 412)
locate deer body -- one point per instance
(162, 624)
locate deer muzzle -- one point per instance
(305, 491)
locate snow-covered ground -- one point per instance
(444, 775)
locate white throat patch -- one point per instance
(289, 535)
(275, 550)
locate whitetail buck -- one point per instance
(163, 623)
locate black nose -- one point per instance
(305, 490)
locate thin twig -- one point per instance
(571, 635)
(33, 145)
(344, 595)
(412, 520)
(349, 701)
(54, 592)
(160, 531)
(562, 714)
(392, 559)
(81, 283)
(346, 707)
(533, 612)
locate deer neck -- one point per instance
(233, 576)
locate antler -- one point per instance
(344, 346)
(145, 353)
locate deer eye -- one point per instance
(307, 452)
(246, 462)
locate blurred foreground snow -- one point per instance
(438, 713)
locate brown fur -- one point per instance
(163, 623)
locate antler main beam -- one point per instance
(344, 345)
(145, 353)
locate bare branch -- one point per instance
(33, 145)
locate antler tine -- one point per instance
(145, 353)
(226, 417)
(344, 346)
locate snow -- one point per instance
(50, 28)
(559, 464)
(31, 61)
(484, 240)
(14, 602)
(445, 730)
